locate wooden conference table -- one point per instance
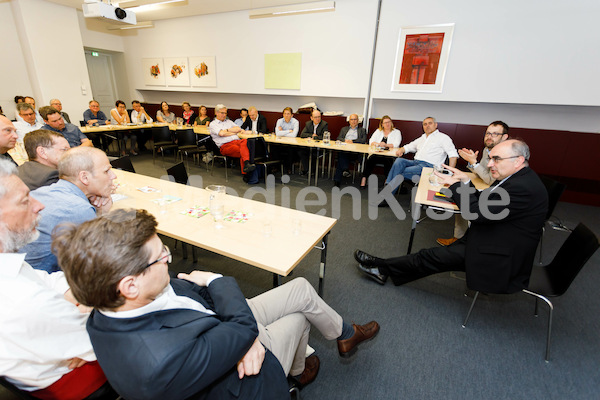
(424, 197)
(271, 237)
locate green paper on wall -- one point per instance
(282, 71)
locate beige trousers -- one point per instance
(460, 226)
(284, 315)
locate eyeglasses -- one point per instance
(166, 257)
(497, 159)
(494, 134)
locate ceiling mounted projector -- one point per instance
(98, 9)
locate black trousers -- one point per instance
(426, 262)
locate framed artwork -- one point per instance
(283, 71)
(422, 58)
(203, 71)
(176, 71)
(154, 71)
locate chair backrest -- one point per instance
(123, 163)
(178, 172)
(260, 148)
(571, 257)
(186, 137)
(555, 189)
(161, 134)
(212, 146)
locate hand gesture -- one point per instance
(198, 277)
(252, 361)
(468, 155)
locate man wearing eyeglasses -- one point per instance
(44, 148)
(28, 121)
(498, 249)
(196, 336)
(495, 133)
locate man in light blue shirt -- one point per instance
(288, 126)
(55, 122)
(243, 116)
(82, 192)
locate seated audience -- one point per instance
(45, 348)
(430, 149)
(313, 129)
(349, 134)
(242, 118)
(288, 126)
(120, 116)
(496, 132)
(203, 118)
(58, 105)
(95, 116)
(497, 250)
(56, 123)
(140, 116)
(255, 122)
(385, 137)
(82, 192)
(164, 115)
(8, 139)
(189, 116)
(27, 122)
(44, 148)
(196, 336)
(31, 100)
(224, 133)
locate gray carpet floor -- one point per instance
(422, 352)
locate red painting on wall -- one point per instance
(421, 58)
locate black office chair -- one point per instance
(212, 147)
(123, 163)
(555, 189)
(178, 173)
(163, 140)
(554, 279)
(187, 144)
(262, 156)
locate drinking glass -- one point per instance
(216, 203)
(326, 137)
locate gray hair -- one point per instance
(7, 169)
(430, 118)
(76, 160)
(53, 100)
(219, 107)
(520, 148)
(24, 106)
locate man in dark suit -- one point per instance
(349, 134)
(255, 122)
(196, 336)
(313, 129)
(44, 148)
(498, 249)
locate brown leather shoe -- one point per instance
(446, 242)
(311, 370)
(347, 347)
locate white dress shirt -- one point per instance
(433, 148)
(142, 118)
(40, 330)
(23, 128)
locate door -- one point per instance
(102, 80)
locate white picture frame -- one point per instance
(177, 71)
(203, 71)
(153, 71)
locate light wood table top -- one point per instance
(112, 128)
(278, 252)
(422, 196)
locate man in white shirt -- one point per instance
(45, 348)
(30, 100)
(140, 116)
(224, 133)
(430, 149)
(28, 121)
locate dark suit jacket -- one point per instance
(36, 175)
(261, 124)
(182, 353)
(310, 127)
(500, 253)
(362, 134)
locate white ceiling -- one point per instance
(188, 7)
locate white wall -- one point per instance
(14, 79)
(53, 54)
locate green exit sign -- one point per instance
(95, 53)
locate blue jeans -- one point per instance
(406, 168)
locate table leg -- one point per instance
(317, 168)
(412, 236)
(322, 265)
(309, 164)
(194, 255)
(329, 166)
(276, 280)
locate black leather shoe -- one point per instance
(366, 259)
(248, 167)
(373, 273)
